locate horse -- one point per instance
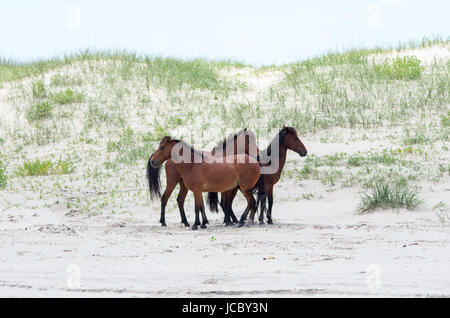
(287, 139)
(173, 177)
(203, 173)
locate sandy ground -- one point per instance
(315, 248)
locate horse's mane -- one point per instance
(232, 137)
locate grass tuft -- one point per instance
(445, 120)
(46, 167)
(2, 174)
(39, 89)
(387, 195)
(402, 68)
(67, 97)
(39, 111)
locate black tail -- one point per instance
(260, 190)
(154, 182)
(213, 201)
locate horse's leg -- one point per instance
(263, 204)
(233, 195)
(171, 183)
(205, 220)
(180, 199)
(252, 214)
(269, 211)
(222, 205)
(225, 204)
(198, 207)
(199, 204)
(250, 206)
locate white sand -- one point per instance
(315, 248)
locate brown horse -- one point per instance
(203, 173)
(244, 141)
(287, 139)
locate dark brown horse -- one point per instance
(287, 138)
(203, 173)
(242, 142)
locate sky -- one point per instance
(258, 32)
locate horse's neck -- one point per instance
(282, 152)
(184, 167)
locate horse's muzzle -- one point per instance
(302, 153)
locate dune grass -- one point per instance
(3, 178)
(111, 108)
(405, 68)
(39, 89)
(39, 167)
(39, 111)
(390, 195)
(67, 96)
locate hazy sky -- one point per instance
(258, 32)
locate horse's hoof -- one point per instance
(163, 224)
(194, 227)
(269, 222)
(203, 226)
(186, 224)
(241, 224)
(261, 222)
(229, 224)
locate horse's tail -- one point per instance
(154, 182)
(260, 190)
(213, 201)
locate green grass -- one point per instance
(384, 157)
(131, 146)
(39, 167)
(39, 111)
(3, 178)
(402, 68)
(442, 210)
(39, 89)
(173, 73)
(416, 137)
(390, 195)
(65, 80)
(67, 97)
(445, 120)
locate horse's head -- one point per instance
(163, 152)
(292, 142)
